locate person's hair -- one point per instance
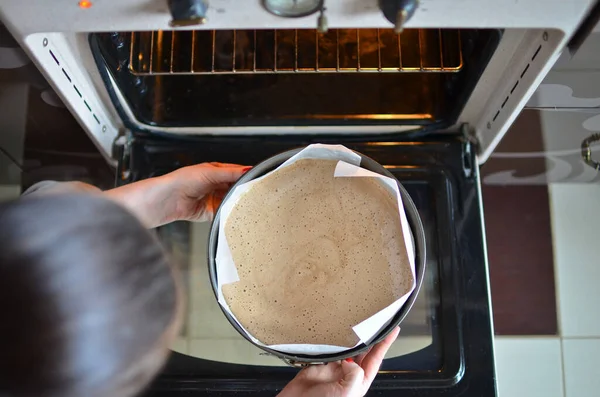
(87, 298)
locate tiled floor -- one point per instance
(519, 242)
(581, 367)
(575, 213)
(529, 367)
(565, 365)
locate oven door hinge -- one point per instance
(299, 364)
(469, 150)
(122, 152)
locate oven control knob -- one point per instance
(188, 12)
(398, 12)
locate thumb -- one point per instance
(353, 379)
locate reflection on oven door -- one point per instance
(208, 335)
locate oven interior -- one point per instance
(296, 77)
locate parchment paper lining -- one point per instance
(347, 167)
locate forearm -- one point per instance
(150, 200)
(180, 195)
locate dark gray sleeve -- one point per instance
(54, 187)
(39, 187)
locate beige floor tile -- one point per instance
(528, 367)
(575, 212)
(582, 376)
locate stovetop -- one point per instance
(445, 345)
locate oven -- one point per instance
(428, 90)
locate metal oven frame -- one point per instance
(54, 34)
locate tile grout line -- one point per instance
(554, 264)
(559, 324)
(562, 368)
(538, 337)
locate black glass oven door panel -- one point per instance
(453, 313)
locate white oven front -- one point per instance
(56, 36)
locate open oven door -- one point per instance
(446, 341)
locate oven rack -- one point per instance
(204, 52)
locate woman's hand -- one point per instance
(350, 378)
(191, 193)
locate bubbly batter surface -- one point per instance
(315, 254)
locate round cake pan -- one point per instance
(418, 235)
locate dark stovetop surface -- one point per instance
(453, 313)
